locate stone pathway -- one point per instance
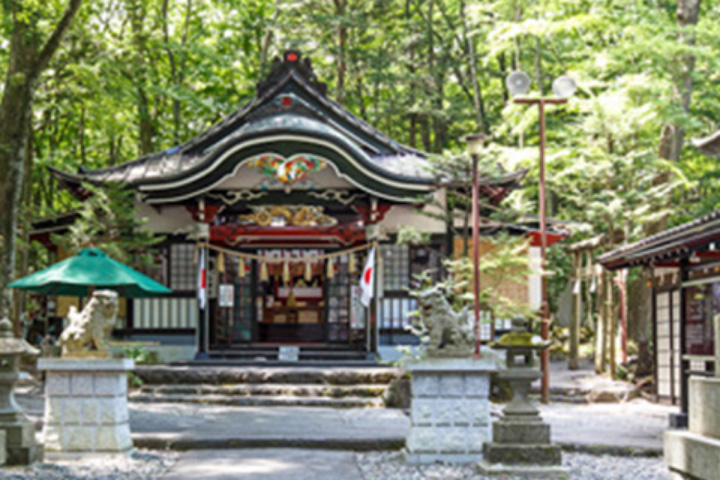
(265, 464)
(636, 424)
(187, 426)
(584, 385)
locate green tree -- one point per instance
(31, 48)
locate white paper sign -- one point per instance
(288, 353)
(226, 295)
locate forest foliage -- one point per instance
(136, 76)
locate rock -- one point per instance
(398, 393)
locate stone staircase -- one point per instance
(266, 386)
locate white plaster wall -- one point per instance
(166, 219)
(409, 215)
(534, 279)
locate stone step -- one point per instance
(305, 354)
(270, 389)
(163, 374)
(260, 401)
(555, 398)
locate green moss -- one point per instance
(516, 339)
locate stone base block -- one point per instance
(519, 471)
(20, 447)
(523, 454)
(704, 398)
(425, 458)
(517, 432)
(692, 456)
(86, 406)
(58, 457)
(3, 454)
(450, 409)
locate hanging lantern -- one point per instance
(308, 271)
(221, 262)
(330, 274)
(352, 266)
(286, 273)
(241, 267)
(264, 272)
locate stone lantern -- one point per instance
(19, 432)
(521, 443)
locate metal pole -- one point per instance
(544, 325)
(476, 251)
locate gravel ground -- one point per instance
(140, 465)
(391, 466)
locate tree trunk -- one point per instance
(576, 313)
(612, 322)
(687, 18)
(340, 10)
(28, 57)
(478, 101)
(601, 329)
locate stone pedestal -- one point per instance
(86, 406)
(695, 454)
(521, 445)
(450, 409)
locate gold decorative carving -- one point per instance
(295, 216)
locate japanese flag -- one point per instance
(367, 281)
(202, 280)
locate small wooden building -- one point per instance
(294, 176)
(686, 300)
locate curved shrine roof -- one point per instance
(289, 116)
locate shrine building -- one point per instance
(286, 196)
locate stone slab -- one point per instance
(516, 432)
(704, 398)
(3, 453)
(515, 471)
(429, 458)
(86, 364)
(690, 454)
(489, 361)
(523, 454)
(264, 464)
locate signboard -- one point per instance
(226, 295)
(699, 310)
(288, 353)
(357, 311)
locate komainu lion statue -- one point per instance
(451, 333)
(87, 333)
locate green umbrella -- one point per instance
(90, 270)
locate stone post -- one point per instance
(86, 406)
(19, 446)
(450, 409)
(694, 454)
(716, 322)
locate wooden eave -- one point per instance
(677, 242)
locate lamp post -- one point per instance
(518, 84)
(474, 145)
